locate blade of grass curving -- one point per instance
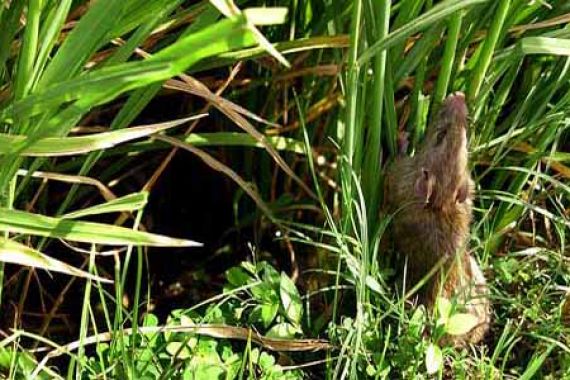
(236, 139)
(90, 33)
(437, 13)
(222, 168)
(21, 222)
(16, 253)
(74, 179)
(224, 35)
(194, 86)
(67, 146)
(158, 11)
(285, 47)
(131, 202)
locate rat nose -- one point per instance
(455, 103)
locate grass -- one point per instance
(297, 283)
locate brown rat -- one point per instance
(430, 196)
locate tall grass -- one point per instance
(327, 104)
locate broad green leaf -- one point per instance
(179, 349)
(283, 331)
(443, 308)
(434, 359)
(131, 202)
(461, 323)
(417, 321)
(22, 222)
(290, 299)
(264, 313)
(65, 146)
(268, 313)
(16, 253)
(237, 276)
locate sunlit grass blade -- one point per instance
(21, 222)
(16, 253)
(131, 202)
(87, 36)
(544, 45)
(67, 146)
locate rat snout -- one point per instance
(455, 106)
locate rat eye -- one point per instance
(441, 135)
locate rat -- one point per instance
(430, 196)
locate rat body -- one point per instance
(430, 196)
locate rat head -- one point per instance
(443, 177)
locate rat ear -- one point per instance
(462, 192)
(425, 185)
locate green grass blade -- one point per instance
(437, 13)
(453, 29)
(131, 202)
(16, 253)
(21, 222)
(489, 46)
(544, 45)
(66, 146)
(86, 38)
(373, 150)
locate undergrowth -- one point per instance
(191, 189)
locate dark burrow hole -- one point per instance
(190, 201)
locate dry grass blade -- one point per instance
(193, 86)
(216, 331)
(217, 165)
(556, 166)
(75, 179)
(166, 161)
(562, 19)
